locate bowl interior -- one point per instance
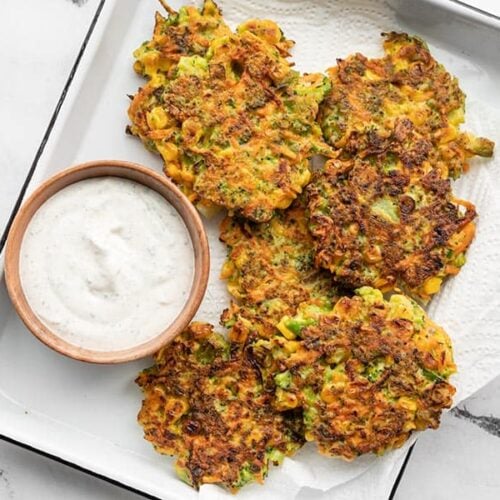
(144, 176)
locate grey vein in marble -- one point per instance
(6, 484)
(489, 424)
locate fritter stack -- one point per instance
(382, 212)
(315, 351)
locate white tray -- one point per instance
(85, 414)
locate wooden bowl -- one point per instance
(134, 172)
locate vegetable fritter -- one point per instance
(366, 373)
(208, 406)
(379, 223)
(270, 270)
(272, 260)
(236, 125)
(405, 102)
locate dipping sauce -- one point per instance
(106, 263)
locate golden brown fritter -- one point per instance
(405, 102)
(208, 406)
(272, 260)
(235, 126)
(366, 373)
(270, 270)
(381, 224)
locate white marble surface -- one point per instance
(461, 460)
(27, 476)
(39, 42)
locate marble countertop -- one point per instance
(458, 461)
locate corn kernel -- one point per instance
(373, 254)
(285, 400)
(292, 346)
(432, 285)
(157, 119)
(169, 152)
(284, 330)
(227, 270)
(327, 394)
(173, 170)
(409, 426)
(407, 403)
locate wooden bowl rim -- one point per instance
(108, 168)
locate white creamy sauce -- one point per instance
(106, 263)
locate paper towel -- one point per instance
(468, 306)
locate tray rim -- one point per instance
(61, 112)
(475, 13)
